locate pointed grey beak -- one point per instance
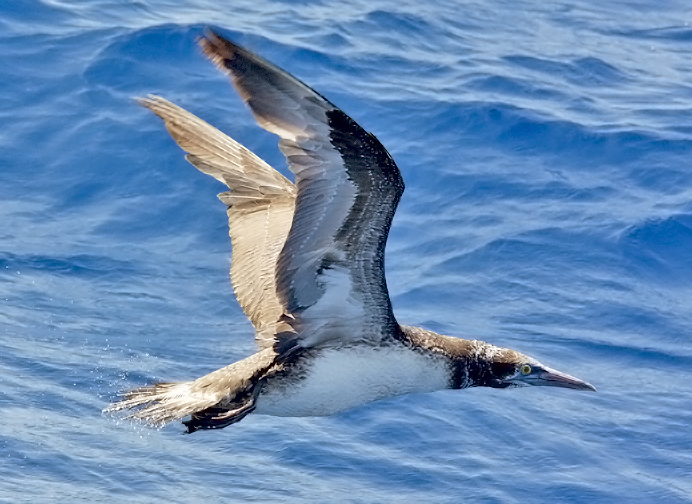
(548, 377)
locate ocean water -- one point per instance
(546, 149)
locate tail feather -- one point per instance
(162, 403)
(213, 401)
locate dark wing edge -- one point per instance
(330, 272)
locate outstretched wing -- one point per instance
(260, 210)
(330, 273)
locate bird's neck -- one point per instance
(473, 363)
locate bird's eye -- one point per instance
(525, 369)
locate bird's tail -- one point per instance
(213, 401)
(160, 403)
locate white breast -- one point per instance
(336, 380)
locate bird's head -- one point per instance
(501, 368)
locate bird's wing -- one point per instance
(330, 273)
(260, 210)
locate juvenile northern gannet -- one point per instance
(308, 268)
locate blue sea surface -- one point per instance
(546, 148)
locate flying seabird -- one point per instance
(308, 268)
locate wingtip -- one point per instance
(225, 55)
(207, 37)
(146, 101)
(155, 103)
(209, 32)
(212, 35)
(216, 47)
